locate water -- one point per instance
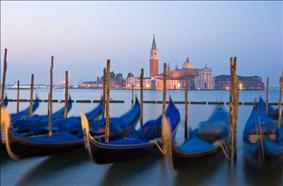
(76, 168)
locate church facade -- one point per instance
(197, 78)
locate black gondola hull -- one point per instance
(24, 148)
(102, 154)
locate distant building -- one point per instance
(196, 78)
(88, 84)
(205, 79)
(130, 74)
(153, 59)
(119, 79)
(151, 83)
(222, 82)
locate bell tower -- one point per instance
(153, 60)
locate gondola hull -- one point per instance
(180, 156)
(254, 160)
(182, 161)
(102, 154)
(23, 148)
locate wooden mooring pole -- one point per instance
(107, 125)
(50, 97)
(235, 109)
(230, 138)
(280, 101)
(18, 96)
(186, 109)
(4, 76)
(141, 95)
(132, 101)
(266, 95)
(103, 94)
(31, 94)
(164, 105)
(164, 89)
(66, 94)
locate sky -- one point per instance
(83, 35)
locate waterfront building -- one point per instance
(222, 82)
(88, 84)
(197, 78)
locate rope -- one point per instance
(6, 121)
(157, 145)
(223, 147)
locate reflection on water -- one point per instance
(48, 168)
(122, 173)
(197, 171)
(77, 169)
(271, 172)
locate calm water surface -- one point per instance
(76, 168)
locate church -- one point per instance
(197, 78)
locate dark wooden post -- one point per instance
(141, 92)
(164, 107)
(50, 96)
(186, 108)
(107, 126)
(4, 76)
(231, 122)
(66, 94)
(132, 101)
(48, 103)
(103, 94)
(18, 96)
(266, 95)
(164, 89)
(280, 101)
(236, 104)
(31, 94)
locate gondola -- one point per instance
(272, 112)
(37, 123)
(73, 124)
(136, 144)
(6, 101)
(262, 140)
(22, 114)
(25, 112)
(206, 140)
(65, 140)
(119, 126)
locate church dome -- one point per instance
(188, 64)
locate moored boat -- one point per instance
(136, 143)
(262, 137)
(209, 138)
(61, 140)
